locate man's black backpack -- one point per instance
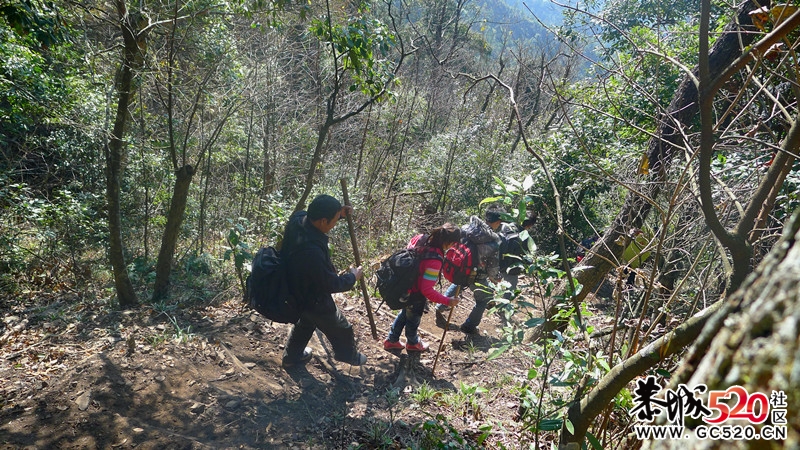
(398, 273)
(512, 250)
(267, 288)
(484, 245)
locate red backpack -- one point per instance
(458, 266)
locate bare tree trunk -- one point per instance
(331, 119)
(763, 356)
(246, 170)
(204, 202)
(402, 150)
(172, 230)
(268, 130)
(735, 241)
(316, 158)
(441, 195)
(178, 155)
(115, 153)
(361, 148)
(145, 175)
(393, 132)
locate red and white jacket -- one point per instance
(429, 269)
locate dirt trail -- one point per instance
(211, 378)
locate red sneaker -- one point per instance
(389, 345)
(420, 346)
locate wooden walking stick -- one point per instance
(357, 257)
(446, 327)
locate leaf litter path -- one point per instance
(72, 376)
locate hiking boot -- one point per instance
(358, 360)
(287, 362)
(393, 345)
(420, 346)
(468, 329)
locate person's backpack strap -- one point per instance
(419, 241)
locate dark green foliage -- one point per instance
(364, 44)
(583, 188)
(39, 21)
(47, 234)
(41, 93)
(31, 78)
(626, 16)
(198, 264)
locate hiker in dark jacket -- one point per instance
(509, 233)
(312, 279)
(488, 270)
(432, 248)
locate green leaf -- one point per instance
(596, 445)
(664, 373)
(490, 200)
(501, 186)
(525, 304)
(527, 183)
(534, 322)
(550, 425)
(570, 427)
(486, 428)
(520, 211)
(514, 184)
(497, 352)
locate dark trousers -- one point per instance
(482, 295)
(334, 326)
(513, 280)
